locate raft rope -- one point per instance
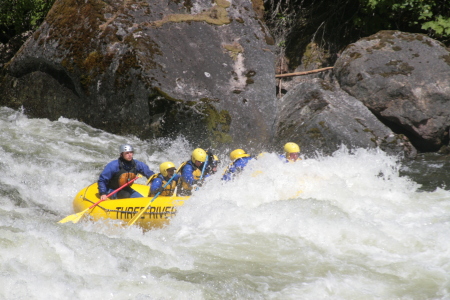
(129, 212)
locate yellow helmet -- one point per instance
(238, 153)
(198, 155)
(165, 166)
(291, 148)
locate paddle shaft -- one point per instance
(115, 191)
(204, 168)
(139, 214)
(203, 171)
(76, 217)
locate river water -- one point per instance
(354, 225)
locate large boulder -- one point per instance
(150, 68)
(404, 79)
(320, 117)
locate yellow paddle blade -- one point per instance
(296, 195)
(74, 218)
(257, 173)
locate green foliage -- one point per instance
(333, 24)
(18, 16)
(280, 17)
(433, 16)
(441, 26)
(281, 44)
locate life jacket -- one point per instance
(184, 187)
(227, 170)
(149, 181)
(169, 188)
(123, 176)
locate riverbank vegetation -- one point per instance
(329, 25)
(298, 26)
(19, 16)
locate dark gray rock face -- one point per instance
(321, 117)
(404, 79)
(150, 68)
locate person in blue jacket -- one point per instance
(120, 171)
(239, 160)
(192, 172)
(160, 182)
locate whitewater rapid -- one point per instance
(346, 226)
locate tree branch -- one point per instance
(302, 73)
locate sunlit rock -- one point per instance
(404, 79)
(204, 69)
(321, 117)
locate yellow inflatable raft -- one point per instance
(157, 215)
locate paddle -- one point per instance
(203, 171)
(76, 217)
(139, 214)
(204, 167)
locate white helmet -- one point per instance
(125, 148)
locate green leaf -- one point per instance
(440, 25)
